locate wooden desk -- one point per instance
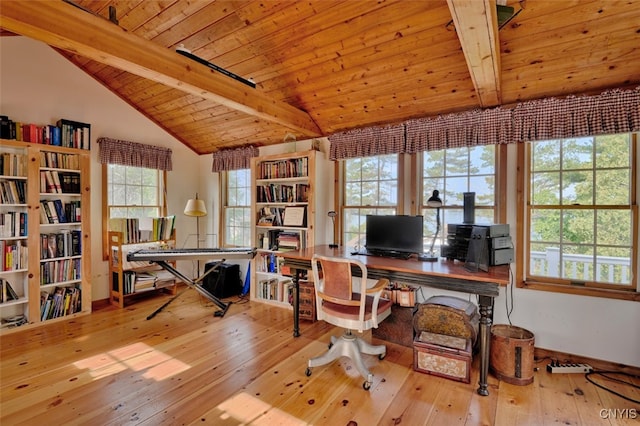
(443, 274)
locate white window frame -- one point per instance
(231, 194)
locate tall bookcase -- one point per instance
(14, 301)
(56, 283)
(285, 198)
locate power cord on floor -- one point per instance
(605, 374)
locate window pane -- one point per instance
(614, 228)
(567, 240)
(613, 151)
(612, 187)
(578, 226)
(577, 187)
(134, 176)
(118, 195)
(545, 156)
(134, 195)
(545, 188)
(577, 154)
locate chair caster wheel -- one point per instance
(382, 356)
(307, 372)
(366, 386)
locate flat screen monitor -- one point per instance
(394, 233)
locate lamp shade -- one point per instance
(434, 200)
(195, 207)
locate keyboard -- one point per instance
(191, 253)
(382, 253)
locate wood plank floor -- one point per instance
(185, 366)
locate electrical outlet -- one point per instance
(554, 367)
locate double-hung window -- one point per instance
(237, 208)
(370, 187)
(581, 214)
(133, 192)
(453, 172)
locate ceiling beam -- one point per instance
(67, 27)
(476, 24)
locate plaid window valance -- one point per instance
(367, 142)
(126, 153)
(233, 159)
(615, 111)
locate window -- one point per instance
(581, 212)
(133, 192)
(453, 172)
(237, 210)
(370, 187)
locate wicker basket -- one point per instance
(447, 315)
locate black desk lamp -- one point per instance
(332, 214)
(436, 202)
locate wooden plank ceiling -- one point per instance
(323, 66)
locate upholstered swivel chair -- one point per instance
(337, 303)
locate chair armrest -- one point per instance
(379, 286)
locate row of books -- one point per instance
(61, 244)
(61, 302)
(60, 271)
(59, 160)
(14, 255)
(13, 192)
(55, 211)
(7, 293)
(13, 224)
(290, 168)
(12, 164)
(281, 193)
(140, 230)
(275, 289)
(67, 133)
(55, 182)
(138, 281)
(270, 262)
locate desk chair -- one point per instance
(338, 304)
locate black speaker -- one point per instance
(224, 281)
(469, 207)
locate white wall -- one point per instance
(40, 86)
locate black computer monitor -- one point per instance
(394, 233)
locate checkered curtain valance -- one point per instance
(615, 111)
(233, 159)
(126, 153)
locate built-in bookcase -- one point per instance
(285, 198)
(52, 243)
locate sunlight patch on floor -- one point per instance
(139, 357)
(244, 409)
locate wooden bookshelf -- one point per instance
(128, 280)
(53, 279)
(284, 203)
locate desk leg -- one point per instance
(296, 302)
(486, 319)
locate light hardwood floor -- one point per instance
(185, 366)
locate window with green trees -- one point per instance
(580, 211)
(237, 209)
(453, 172)
(370, 187)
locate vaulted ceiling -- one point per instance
(324, 66)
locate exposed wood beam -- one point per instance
(69, 28)
(476, 24)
